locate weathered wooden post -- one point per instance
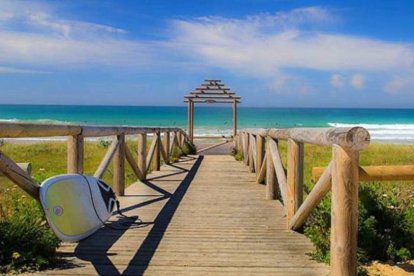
(344, 213)
(190, 116)
(234, 118)
(271, 180)
(260, 153)
(119, 167)
(156, 165)
(75, 154)
(167, 146)
(294, 177)
(252, 144)
(142, 154)
(246, 148)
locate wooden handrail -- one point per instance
(117, 152)
(377, 173)
(342, 172)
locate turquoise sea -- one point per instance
(383, 124)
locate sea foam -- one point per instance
(385, 132)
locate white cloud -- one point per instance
(34, 36)
(358, 81)
(12, 70)
(251, 45)
(396, 84)
(337, 80)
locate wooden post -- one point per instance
(156, 161)
(271, 180)
(188, 120)
(260, 152)
(192, 122)
(142, 154)
(234, 118)
(119, 167)
(167, 145)
(344, 213)
(294, 177)
(251, 153)
(75, 154)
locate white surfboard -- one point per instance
(75, 205)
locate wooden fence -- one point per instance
(163, 142)
(261, 153)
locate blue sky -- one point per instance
(272, 53)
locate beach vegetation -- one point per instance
(238, 154)
(386, 208)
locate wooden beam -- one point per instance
(234, 118)
(377, 173)
(320, 189)
(189, 118)
(119, 167)
(166, 143)
(18, 176)
(224, 97)
(211, 101)
(344, 211)
(142, 155)
(279, 169)
(26, 167)
(260, 153)
(252, 153)
(262, 173)
(132, 163)
(294, 177)
(213, 146)
(156, 161)
(271, 179)
(211, 93)
(151, 151)
(75, 154)
(107, 159)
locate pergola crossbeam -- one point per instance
(211, 91)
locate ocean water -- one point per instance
(393, 125)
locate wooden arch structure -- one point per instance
(210, 92)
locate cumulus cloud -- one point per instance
(337, 80)
(358, 81)
(34, 36)
(250, 45)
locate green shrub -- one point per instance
(189, 148)
(386, 224)
(26, 241)
(238, 154)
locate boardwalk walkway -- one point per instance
(206, 215)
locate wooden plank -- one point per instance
(377, 173)
(118, 184)
(151, 151)
(210, 224)
(107, 159)
(18, 176)
(344, 212)
(294, 178)
(320, 189)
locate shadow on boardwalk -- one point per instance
(95, 248)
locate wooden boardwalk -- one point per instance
(205, 215)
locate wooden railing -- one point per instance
(261, 153)
(163, 142)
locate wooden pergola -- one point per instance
(211, 92)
